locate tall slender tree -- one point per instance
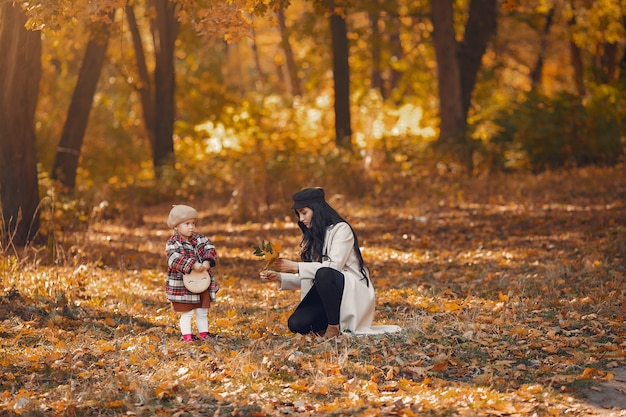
(68, 151)
(341, 76)
(164, 26)
(290, 61)
(457, 67)
(157, 90)
(452, 127)
(535, 73)
(374, 44)
(622, 63)
(20, 71)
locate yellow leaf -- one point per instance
(451, 306)
(299, 385)
(588, 373)
(319, 389)
(371, 387)
(104, 346)
(532, 389)
(406, 412)
(58, 405)
(554, 412)
(271, 256)
(278, 248)
(150, 362)
(410, 386)
(162, 390)
(329, 407)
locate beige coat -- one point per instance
(358, 302)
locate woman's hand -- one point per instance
(285, 265)
(270, 276)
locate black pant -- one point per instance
(320, 306)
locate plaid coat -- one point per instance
(182, 254)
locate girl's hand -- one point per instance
(206, 265)
(286, 265)
(270, 276)
(198, 267)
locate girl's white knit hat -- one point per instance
(180, 213)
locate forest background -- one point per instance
(416, 117)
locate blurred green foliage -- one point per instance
(541, 132)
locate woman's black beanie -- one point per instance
(305, 197)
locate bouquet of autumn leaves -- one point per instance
(268, 251)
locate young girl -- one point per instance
(337, 294)
(186, 250)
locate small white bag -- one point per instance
(197, 282)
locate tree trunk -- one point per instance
(609, 63)
(377, 75)
(622, 63)
(68, 151)
(144, 87)
(261, 77)
(397, 54)
(480, 27)
(452, 126)
(535, 74)
(457, 69)
(577, 64)
(292, 69)
(341, 76)
(20, 71)
(622, 71)
(164, 33)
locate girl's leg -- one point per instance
(185, 324)
(329, 284)
(202, 320)
(309, 316)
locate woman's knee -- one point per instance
(326, 277)
(297, 325)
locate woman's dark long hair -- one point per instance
(313, 239)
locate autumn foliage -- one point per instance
(510, 290)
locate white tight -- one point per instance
(202, 321)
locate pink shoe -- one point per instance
(204, 335)
(187, 338)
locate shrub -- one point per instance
(562, 130)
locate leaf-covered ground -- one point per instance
(511, 292)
